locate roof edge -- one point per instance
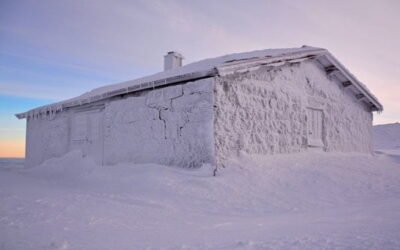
(226, 68)
(143, 86)
(239, 66)
(360, 86)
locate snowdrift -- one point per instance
(387, 136)
(248, 184)
(298, 201)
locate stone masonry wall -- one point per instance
(265, 112)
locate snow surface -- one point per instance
(296, 201)
(387, 136)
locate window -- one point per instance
(314, 127)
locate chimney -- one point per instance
(172, 60)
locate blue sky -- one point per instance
(9, 105)
(53, 50)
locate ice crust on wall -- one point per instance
(264, 112)
(47, 138)
(258, 112)
(172, 126)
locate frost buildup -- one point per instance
(261, 102)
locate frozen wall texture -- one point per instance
(265, 112)
(47, 137)
(171, 125)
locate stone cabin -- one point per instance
(261, 102)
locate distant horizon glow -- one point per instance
(12, 149)
(54, 50)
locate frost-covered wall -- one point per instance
(171, 125)
(46, 137)
(265, 112)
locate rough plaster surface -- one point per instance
(172, 125)
(265, 112)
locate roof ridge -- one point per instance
(200, 69)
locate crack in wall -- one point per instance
(164, 122)
(181, 127)
(173, 98)
(160, 107)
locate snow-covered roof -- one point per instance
(222, 65)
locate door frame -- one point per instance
(84, 147)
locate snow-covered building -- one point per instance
(260, 102)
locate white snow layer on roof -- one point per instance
(199, 66)
(202, 66)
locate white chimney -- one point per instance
(172, 60)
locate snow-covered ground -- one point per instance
(298, 201)
(387, 136)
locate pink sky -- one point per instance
(53, 50)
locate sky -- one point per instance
(54, 50)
